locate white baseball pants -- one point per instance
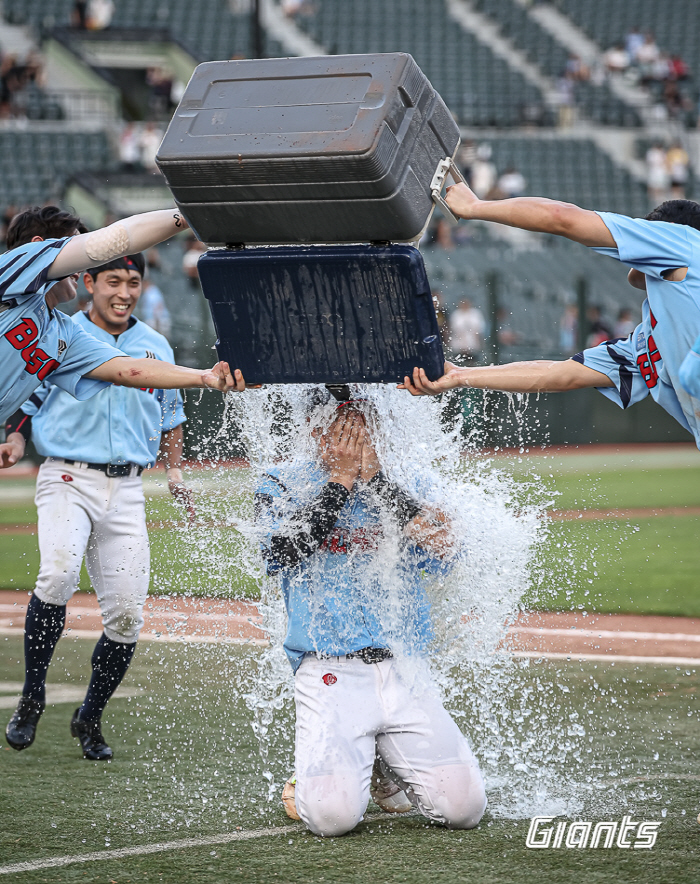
(358, 710)
(83, 514)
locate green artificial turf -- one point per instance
(618, 740)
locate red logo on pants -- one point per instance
(329, 678)
(67, 478)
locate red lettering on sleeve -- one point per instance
(647, 363)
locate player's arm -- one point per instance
(135, 234)
(128, 372)
(539, 376)
(171, 446)
(306, 529)
(18, 430)
(532, 213)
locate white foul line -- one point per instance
(606, 633)
(142, 850)
(572, 656)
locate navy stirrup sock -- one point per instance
(110, 660)
(42, 630)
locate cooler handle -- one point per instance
(444, 168)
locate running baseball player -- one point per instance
(359, 728)
(90, 503)
(40, 271)
(663, 251)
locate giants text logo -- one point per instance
(625, 834)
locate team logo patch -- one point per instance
(62, 347)
(67, 478)
(329, 678)
(150, 354)
(641, 340)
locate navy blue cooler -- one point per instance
(323, 314)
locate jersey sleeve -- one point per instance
(689, 374)
(617, 360)
(23, 271)
(83, 353)
(652, 247)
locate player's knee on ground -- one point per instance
(454, 795)
(123, 622)
(330, 805)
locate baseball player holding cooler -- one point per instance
(38, 342)
(663, 251)
(90, 503)
(360, 729)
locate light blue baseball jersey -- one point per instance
(119, 424)
(690, 371)
(336, 602)
(649, 360)
(37, 343)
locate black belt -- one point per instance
(111, 470)
(370, 655)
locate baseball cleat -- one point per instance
(90, 735)
(290, 807)
(21, 729)
(385, 793)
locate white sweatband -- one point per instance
(108, 243)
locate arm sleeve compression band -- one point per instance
(308, 527)
(399, 503)
(19, 422)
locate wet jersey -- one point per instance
(337, 598)
(37, 343)
(119, 424)
(653, 354)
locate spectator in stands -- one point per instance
(505, 333)
(647, 54)
(625, 323)
(193, 251)
(633, 41)
(483, 171)
(467, 330)
(152, 308)
(616, 59)
(441, 314)
(130, 149)
(512, 183)
(598, 329)
(565, 98)
(466, 157)
(160, 83)
(79, 15)
(151, 138)
(679, 70)
(443, 235)
(678, 163)
(657, 173)
(576, 69)
(568, 330)
(99, 14)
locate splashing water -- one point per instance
(528, 746)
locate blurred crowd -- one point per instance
(18, 77)
(138, 146)
(668, 171)
(667, 76)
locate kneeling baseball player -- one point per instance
(331, 526)
(90, 503)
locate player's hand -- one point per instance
(419, 385)
(462, 200)
(431, 531)
(369, 466)
(220, 378)
(341, 448)
(10, 454)
(183, 495)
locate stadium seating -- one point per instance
(596, 101)
(574, 170)
(207, 30)
(34, 166)
(478, 86)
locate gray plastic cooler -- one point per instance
(334, 149)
